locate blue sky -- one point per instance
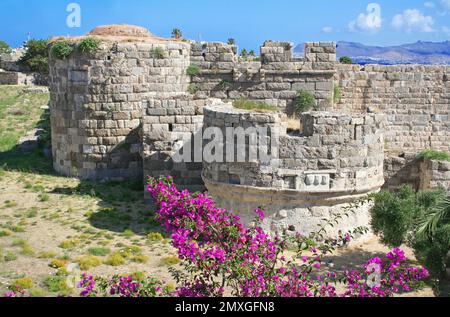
(250, 22)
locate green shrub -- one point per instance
(193, 70)
(432, 251)
(22, 284)
(37, 292)
(56, 283)
(170, 261)
(158, 53)
(155, 236)
(128, 233)
(392, 215)
(43, 197)
(5, 48)
(36, 56)
(69, 244)
(193, 89)
(19, 243)
(115, 259)
(246, 104)
(345, 60)
(5, 233)
(58, 263)
(405, 216)
(10, 256)
(89, 45)
(434, 155)
(140, 258)
(305, 101)
(47, 255)
(337, 94)
(99, 251)
(88, 262)
(129, 251)
(62, 49)
(231, 41)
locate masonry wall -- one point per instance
(415, 98)
(434, 174)
(276, 79)
(97, 103)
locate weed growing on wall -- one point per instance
(89, 45)
(62, 49)
(305, 101)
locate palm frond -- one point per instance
(437, 216)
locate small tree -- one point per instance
(252, 53)
(305, 101)
(231, 41)
(177, 34)
(345, 60)
(4, 48)
(36, 56)
(244, 53)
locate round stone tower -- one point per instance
(98, 99)
(304, 178)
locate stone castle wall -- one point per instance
(415, 98)
(335, 160)
(97, 104)
(276, 79)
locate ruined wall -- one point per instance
(276, 79)
(415, 98)
(169, 128)
(20, 78)
(434, 174)
(336, 160)
(402, 170)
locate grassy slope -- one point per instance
(20, 112)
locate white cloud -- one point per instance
(327, 29)
(371, 21)
(429, 5)
(446, 4)
(413, 20)
(445, 29)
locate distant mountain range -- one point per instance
(416, 53)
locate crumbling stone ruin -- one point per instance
(11, 73)
(126, 110)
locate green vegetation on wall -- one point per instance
(305, 101)
(89, 45)
(431, 154)
(62, 49)
(158, 53)
(193, 70)
(337, 94)
(246, 104)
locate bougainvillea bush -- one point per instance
(221, 257)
